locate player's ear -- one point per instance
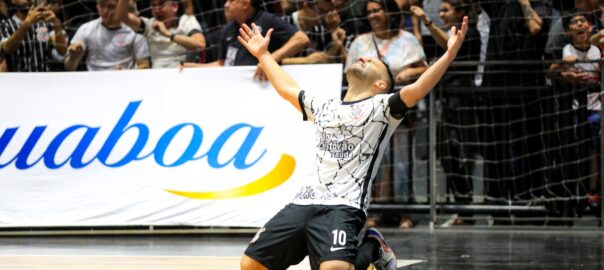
(381, 85)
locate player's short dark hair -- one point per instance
(568, 15)
(390, 76)
(393, 10)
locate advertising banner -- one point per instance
(201, 147)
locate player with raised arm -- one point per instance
(327, 214)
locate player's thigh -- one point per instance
(249, 263)
(336, 265)
(333, 235)
(281, 241)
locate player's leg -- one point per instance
(384, 259)
(280, 243)
(248, 263)
(367, 252)
(336, 265)
(332, 237)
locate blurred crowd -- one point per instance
(56, 35)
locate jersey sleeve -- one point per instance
(190, 25)
(81, 35)
(141, 49)
(395, 108)
(309, 105)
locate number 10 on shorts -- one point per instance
(339, 237)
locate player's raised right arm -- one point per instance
(257, 45)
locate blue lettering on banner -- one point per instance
(76, 159)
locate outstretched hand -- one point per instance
(457, 36)
(253, 41)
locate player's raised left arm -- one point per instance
(257, 45)
(413, 93)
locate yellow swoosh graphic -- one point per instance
(277, 176)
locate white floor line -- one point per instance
(403, 263)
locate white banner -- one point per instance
(204, 147)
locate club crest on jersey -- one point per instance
(42, 34)
(356, 113)
(120, 39)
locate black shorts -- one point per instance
(322, 232)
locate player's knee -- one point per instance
(336, 265)
(247, 263)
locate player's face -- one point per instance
(369, 69)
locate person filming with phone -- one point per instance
(28, 38)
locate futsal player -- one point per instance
(328, 212)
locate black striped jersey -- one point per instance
(35, 52)
(350, 139)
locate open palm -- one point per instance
(253, 41)
(457, 36)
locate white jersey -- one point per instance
(108, 48)
(593, 99)
(350, 140)
(164, 52)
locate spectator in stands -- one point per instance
(353, 18)
(558, 37)
(431, 9)
(518, 33)
(318, 20)
(3, 10)
(452, 13)
(459, 131)
(578, 28)
(583, 77)
(286, 40)
(109, 44)
(517, 37)
(410, 23)
(399, 48)
(170, 37)
(28, 39)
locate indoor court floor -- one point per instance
(452, 248)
